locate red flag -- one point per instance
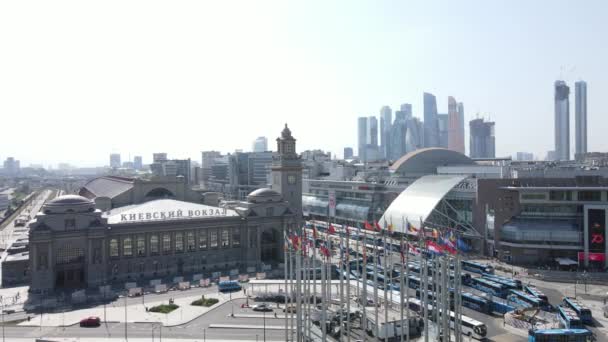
(295, 241)
(331, 229)
(378, 228)
(368, 226)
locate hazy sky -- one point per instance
(81, 79)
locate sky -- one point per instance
(81, 79)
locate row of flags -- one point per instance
(442, 242)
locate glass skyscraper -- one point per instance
(562, 121)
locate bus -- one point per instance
(569, 318)
(517, 282)
(229, 286)
(477, 267)
(469, 326)
(489, 286)
(432, 296)
(415, 283)
(525, 299)
(581, 310)
(560, 335)
(538, 294)
(381, 283)
(476, 303)
(508, 284)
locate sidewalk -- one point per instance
(135, 313)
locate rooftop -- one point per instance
(165, 210)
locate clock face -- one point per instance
(291, 179)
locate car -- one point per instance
(290, 309)
(92, 321)
(262, 307)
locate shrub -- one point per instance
(164, 308)
(205, 302)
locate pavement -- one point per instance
(134, 313)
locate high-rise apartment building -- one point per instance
(580, 117)
(348, 153)
(562, 121)
(115, 160)
(455, 125)
(414, 138)
(137, 163)
(260, 145)
(361, 137)
(386, 122)
(443, 125)
(482, 143)
(431, 126)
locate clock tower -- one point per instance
(287, 173)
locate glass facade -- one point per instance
(154, 244)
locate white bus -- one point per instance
(470, 327)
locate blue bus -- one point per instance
(538, 294)
(581, 310)
(476, 303)
(569, 318)
(415, 283)
(432, 296)
(495, 277)
(560, 335)
(489, 286)
(229, 286)
(477, 267)
(500, 306)
(525, 299)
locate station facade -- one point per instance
(73, 244)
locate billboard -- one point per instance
(596, 220)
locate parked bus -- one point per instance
(229, 286)
(538, 294)
(511, 285)
(560, 335)
(489, 286)
(517, 282)
(525, 299)
(569, 318)
(469, 327)
(476, 303)
(581, 310)
(477, 267)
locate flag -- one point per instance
(331, 229)
(462, 245)
(325, 251)
(435, 233)
(447, 245)
(377, 226)
(391, 228)
(286, 240)
(410, 228)
(295, 242)
(368, 226)
(434, 247)
(314, 232)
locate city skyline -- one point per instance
(168, 84)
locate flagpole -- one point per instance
(286, 266)
(407, 290)
(348, 284)
(376, 259)
(387, 282)
(401, 283)
(341, 268)
(298, 314)
(292, 297)
(424, 280)
(363, 278)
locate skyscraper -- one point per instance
(482, 143)
(562, 121)
(455, 126)
(386, 122)
(580, 117)
(443, 125)
(348, 153)
(137, 163)
(260, 144)
(115, 160)
(362, 137)
(431, 126)
(398, 134)
(372, 137)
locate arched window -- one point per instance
(141, 246)
(114, 248)
(154, 244)
(127, 246)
